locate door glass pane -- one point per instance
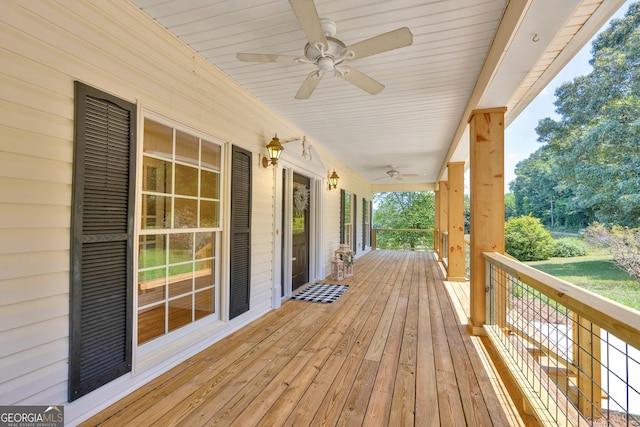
(300, 231)
(300, 206)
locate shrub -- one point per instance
(568, 247)
(526, 239)
(622, 242)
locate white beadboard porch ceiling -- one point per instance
(417, 123)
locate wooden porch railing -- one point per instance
(375, 231)
(574, 354)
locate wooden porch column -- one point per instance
(444, 225)
(436, 226)
(456, 263)
(487, 201)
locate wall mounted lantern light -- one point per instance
(333, 180)
(275, 149)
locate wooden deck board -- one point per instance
(392, 350)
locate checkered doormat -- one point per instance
(321, 292)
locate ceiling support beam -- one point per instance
(511, 20)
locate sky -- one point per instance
(520, 135)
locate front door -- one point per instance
(300, 231)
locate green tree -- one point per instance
(539, 191)
(509, 206)
(404, 210)
(594, 144)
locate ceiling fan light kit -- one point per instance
(328, 53)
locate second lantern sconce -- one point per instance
(333, 180)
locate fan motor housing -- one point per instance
(333, 51)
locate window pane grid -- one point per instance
(178, 230)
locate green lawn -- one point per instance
(597, 273)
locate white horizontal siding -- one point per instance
(34, 192)
(15, 371)
(24, 240)
(17, 340)
(23, 388)
(17, 215)
(26, 288)
(44, 48)
(34, 263)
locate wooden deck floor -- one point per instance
(393, 350)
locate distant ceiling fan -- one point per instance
(394, 173)
(330, 54)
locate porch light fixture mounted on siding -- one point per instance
(333, 180)
(275, 149)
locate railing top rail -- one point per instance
(620, 320)
(405, 229)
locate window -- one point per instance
(366, 224)
(179, 230)
(347, 219)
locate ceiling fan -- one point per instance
(394, 173)
(330, 54)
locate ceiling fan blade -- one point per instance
(307, 15)
(309, 85)
(384, 42)
(360, 79)
(265, 57)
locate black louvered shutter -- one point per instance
(102, 221)
(364, 223)
(342, 214)
(354, 244)
(240, 280)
